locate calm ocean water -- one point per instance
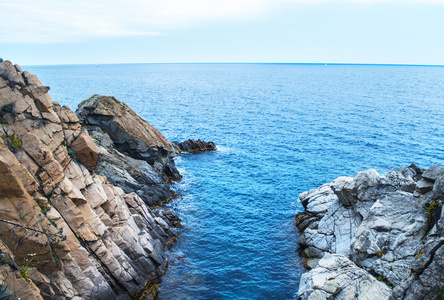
(281, 129)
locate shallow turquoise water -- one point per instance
(281, 129)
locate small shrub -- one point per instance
(12, 142)
(45, 210)
(16, 144)
(27, 266)
(7, 108)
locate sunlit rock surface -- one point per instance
(389, 227)
(132, 154)
(83, 237)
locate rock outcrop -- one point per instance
(193, 146)
(66, 232)
(132, 154)
(389, 228)
(130, 134)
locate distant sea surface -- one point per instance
(281, 129)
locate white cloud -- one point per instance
(46, 21)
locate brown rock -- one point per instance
(122, 123)
(14, 282)
(85, 150)
(92, 241)
(28, 181)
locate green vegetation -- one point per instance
(433, 214)
(12, 142)
(3, 288)
(386, 281)
(71, 153)
(27, 266)
(7, 108)
(45, 210)
(16, 144)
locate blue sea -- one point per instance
(281, 129)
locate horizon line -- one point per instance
(263, 63)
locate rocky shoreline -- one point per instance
(374, 237)
(78, 195)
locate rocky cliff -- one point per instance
(133, 155)
(67, 231)
(374, 237)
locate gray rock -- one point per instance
(433, 172)
(410, 172)
(424, 186)
(193, 146)
(438, 188)
(131, 135)
(336, 277)
(132, 175)
(382, 225)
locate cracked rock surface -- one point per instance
(88, 239)
(132, 154)
(389, 228)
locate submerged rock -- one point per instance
(390, 227)
(87, 238)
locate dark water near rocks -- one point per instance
(281, 129)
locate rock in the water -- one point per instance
(194, 146)
(391, 227)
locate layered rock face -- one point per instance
(374, 237)
(66, 229)
(132, 154)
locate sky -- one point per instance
(48, 32)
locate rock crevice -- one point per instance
(385, 226)
(61, 200)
